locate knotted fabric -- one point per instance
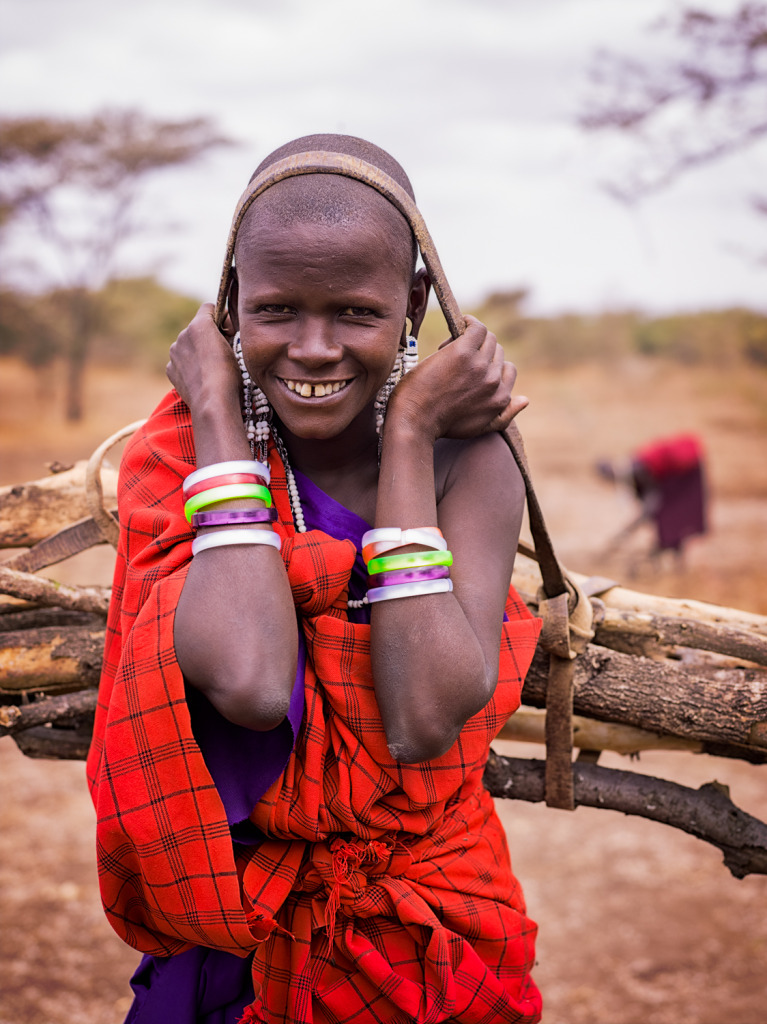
(380, 891)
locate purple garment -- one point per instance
(206, 986)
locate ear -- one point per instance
(418, 299)
(232, 298)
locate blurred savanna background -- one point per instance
(592, 175)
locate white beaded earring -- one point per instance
(407, 358)
(256, 409)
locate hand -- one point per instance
(202, 366)
(462, 390)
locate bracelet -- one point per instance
(233, 517)
(378, 542)
(219, 468)
(225, 480)
(229, 493)
(414, 560)
(226, 538)
(389, 579)
(409, 590)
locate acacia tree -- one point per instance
(700, 96)
(68, 197)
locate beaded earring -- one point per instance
(407, 359)
(257, 415)
(256, 409)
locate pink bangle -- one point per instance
(224, 481)
(388, 579)
(249, 466)
(379, 541)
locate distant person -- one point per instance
(301, 682)
(667, 476)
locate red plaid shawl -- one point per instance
(384, 891)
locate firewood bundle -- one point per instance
(659, 673)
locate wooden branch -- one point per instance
(50, 658)
(36, 618)
(57, 744)
(40, 590)
(729, 706)
(31, 512)
(707, 813)
(527, 579)
(528, 725)
(651, 635)
(63, 709)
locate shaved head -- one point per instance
(332, 199)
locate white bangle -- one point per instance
(224, 468)
(379, 541)
(409, 590)
(224, 538)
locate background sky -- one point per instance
(476, 98)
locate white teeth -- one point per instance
(306, 390)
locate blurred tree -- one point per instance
(703, 97)
(68, 192)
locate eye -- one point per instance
(275, 309)
(357, 311)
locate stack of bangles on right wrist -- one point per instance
(223, 482)
(406, 575)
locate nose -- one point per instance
(315, 343)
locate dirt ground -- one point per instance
(639, 923)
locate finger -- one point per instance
(515, 406)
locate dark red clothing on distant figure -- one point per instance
(377, 891)
(668, 477)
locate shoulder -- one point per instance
(485, 465)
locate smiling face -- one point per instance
(321, 307)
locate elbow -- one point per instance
(257, 706)
(426, 736)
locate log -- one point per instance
(727, 706)
(527, 580)
(38, 590)
(528, 725)
(50, 658)
(58, 744)
(35, 618)
(31, 512)
(62, 710)
(707, 813)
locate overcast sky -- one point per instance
(476, 98)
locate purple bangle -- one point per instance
(389, 579)
(234, 517)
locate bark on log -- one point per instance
(42, 591)
(50, 658)
(62, 710)
(527, 579)
(655, 636)
(36, 618)
(722, 707)
(57, 744)
(706, 813)
(31, 512)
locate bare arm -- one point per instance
(235, 627)
(435, 657)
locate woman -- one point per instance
(289, 797)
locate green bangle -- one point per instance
(226, 493)
(413, 560)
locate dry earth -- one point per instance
(639, 923)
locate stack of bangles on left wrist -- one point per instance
(223, 482)
(406, 575)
